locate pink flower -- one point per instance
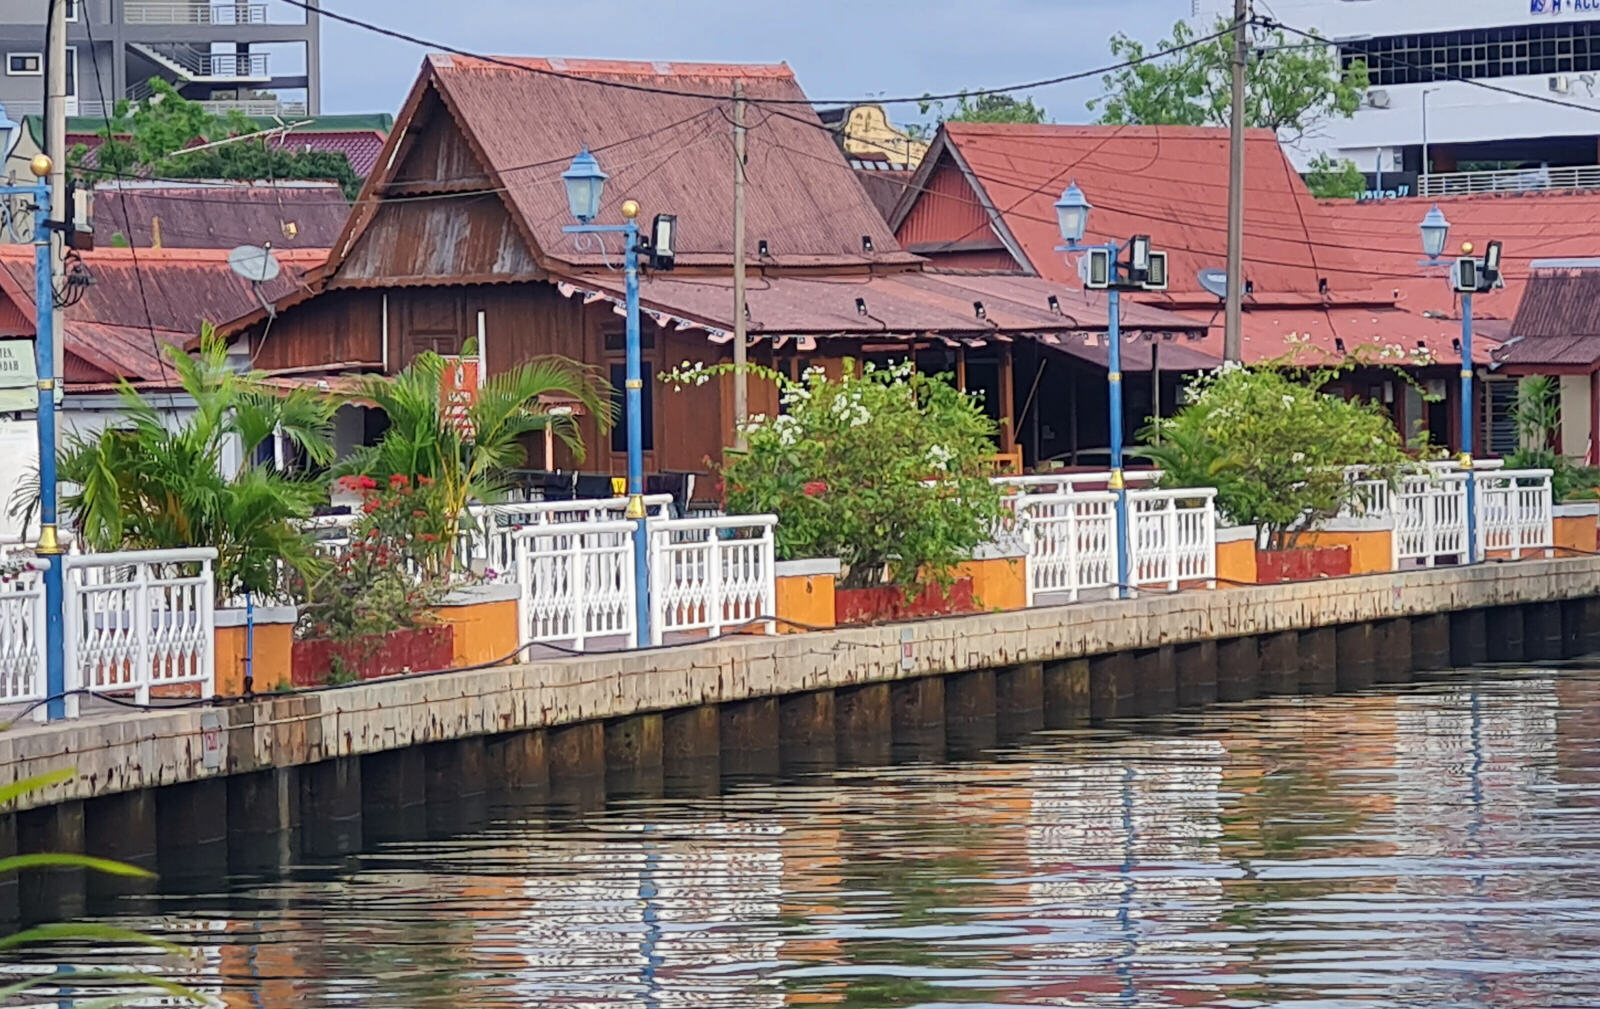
(815, 488)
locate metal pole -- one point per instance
(1466, 427)
(49, 546)
(1424, 173)
(56, 147)
(741, 386)
(635, 405)
(1232, 341)
(1114, 383)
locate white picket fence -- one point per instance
(710, 574)
(139, 620)
(1071, 540)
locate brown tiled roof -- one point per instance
(1558, 320)
(107, 333)
(221, 216)
(670, 152)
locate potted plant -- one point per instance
(1276, 448)
(884, 469)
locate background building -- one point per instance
(1544, 55)
(260, 56)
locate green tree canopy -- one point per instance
(977, 109)
(1329, 178)
(1290, 84)
(149, 138)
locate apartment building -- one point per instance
(259, 56)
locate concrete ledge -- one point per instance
(1000, 551)
(807, 567)
(1356, 525)
(1576, 509)
(235, 616)
(1233, 534)
(129, 751)
(490, 592)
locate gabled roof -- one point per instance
(1558, 321)
(523, 119)
(107, 334)
(220, 215)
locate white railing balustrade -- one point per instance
(486, 540)
(710, 574)
(22, 654)
(1173, 536)
(1515, 512)
(576, 582)
(1071, 540)
(1430, 516)
(1068, 483)
(139, 620)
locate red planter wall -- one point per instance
(415, 649)
(1301, 564)
(888, 602)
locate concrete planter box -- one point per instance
(256, 644)
(1370, 542)
(806, 594)
(1575, 527)
(483, 624)
(1302, 564)
(414, 649)
(1236, 556)
(884, 603)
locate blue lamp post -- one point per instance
(1435, 232)
(1072, 216)
(585, 183)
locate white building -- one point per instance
(1545, 54)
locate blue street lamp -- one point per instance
(585, 183)
(1435, 233)
(1072, 217)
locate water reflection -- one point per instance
(1435, 846)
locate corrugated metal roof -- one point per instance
(221, 217)
(107, 331)
(1558, 321)
(672, 153)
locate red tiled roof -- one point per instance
(107, 334)
(220, 216)
(360, 147)
(672, 153)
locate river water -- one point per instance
(1435, 845)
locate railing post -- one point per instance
(714, 600)
(769, 577)
(1073, 560)
(1170, 522)
(1210, 519)
(1430, 542)
(143, 669)
(72, 636)
(519, 548)
(207, 619)
(658, 575)
(577, 587)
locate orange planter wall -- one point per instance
(998, 583)
(1236, 562)
(1575, 534)
(483, 624)
(808, 600)
(271, 662)
(1371, 550)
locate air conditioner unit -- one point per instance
(1561, 84)
(1378, 98)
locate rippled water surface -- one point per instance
(1435, 846)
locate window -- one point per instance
(1518, 50)
(25, 64)
(72, 10)
(647, 416)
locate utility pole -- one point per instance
(55, 146)
(741, 386)
(1232, 342)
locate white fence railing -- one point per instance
(166, 12)
(576, 582)
(1071, 539)
(712, 573)
(1516, 512)
(138, 621)
(1519, 180)
(22, 656)
(1430, 517)
(1068, 483)
(488, 532)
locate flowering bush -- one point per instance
(394, 569)
(885, 469)
(1274, 445)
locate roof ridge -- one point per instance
(616, 68)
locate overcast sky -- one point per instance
(838, 48)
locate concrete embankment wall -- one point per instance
(239, 785)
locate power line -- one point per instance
(511, 64)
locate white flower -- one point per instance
(939, 457)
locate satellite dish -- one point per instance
(254, 263)
(1215, 280)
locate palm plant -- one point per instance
(156, 484)
(101, 988)
(474, 460)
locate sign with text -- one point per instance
(19, 377)
(458, 391)
(1389, 185)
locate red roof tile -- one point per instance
(221, 216)
(672, 153)
(360, 147)
(107, 333)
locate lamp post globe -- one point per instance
(1435, 232)
(1072, 214)
(585, 183)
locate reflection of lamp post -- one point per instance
(1145, 270)
(585, 183)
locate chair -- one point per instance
(593, 487)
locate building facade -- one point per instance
(1428, 112)
(258, 56)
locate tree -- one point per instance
(159, 485)
(150, 138)
(978, 109)
(1330, 179)
(1290, 85)
(422, 443)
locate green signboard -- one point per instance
(19, 377)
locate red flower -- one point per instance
(398, 480)
(366, 483)
(424, 481)
(815, 488)
(348, 483)
(369, 506)
(429, 538)
(419, 514)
